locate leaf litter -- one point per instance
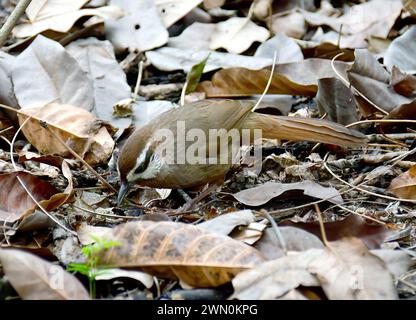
(317, 221)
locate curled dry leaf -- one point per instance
(180, 251)
(85, 134)
(37, 279)
(403, 83)
(371, 234)
(299, 78)
(404, 186)
(402, 51)
(16, 204)
(262, 194)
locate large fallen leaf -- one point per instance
(237, 34)
(59, 15)
(275, 278)
(373, 18)
(298, 78)
(347, 270)
(173, 10)
(59, 78)
(180, 251)
(37, 279)
(337, 101)
(225, 223)
(140, 29)
(262, 194)
(404, 186)
(169, 59)
(370, 78)
(84, 133)
(402, 51)
(15, 202)
(287, 50)
(110, 86)
(371, 234)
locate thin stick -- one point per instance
(269, 82)
(381, 121)
(138, 81)
(76, 155)
(321, 226)
(12, 20)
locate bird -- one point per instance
(143, 159)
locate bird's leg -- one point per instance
(202, 195)
(184, 195)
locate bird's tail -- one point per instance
(301, 129)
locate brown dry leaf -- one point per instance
(348, 270)
(180, 251)
(59, 16)
(275, 278)
(404, 111)
(299, 78)
(262, 194)
(402, 51)
(85, 134)
(371, 234)
(403, 83)
(325, 50)
(404, 186)
(37, 279)
(370, 78)
(16, 204)
(337, 101)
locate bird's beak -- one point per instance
(124, 190)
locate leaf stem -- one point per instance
(11, 21)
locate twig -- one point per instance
(76, 155)
(321, 226)
(12, 20)
(269, 82)
(138, 81)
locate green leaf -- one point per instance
(194, 75)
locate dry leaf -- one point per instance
(180, 251)
(404, 186)
(226, 223)
(347, 270)
(173, 10)
(86, 233)
(402, 51)
(197, 36)
(287, 50)
(403, 83)
(210, 4)
(237, 34)
(37, 279)
(59, 15)
(96, 58)
(140, 29)
(262, 194)
(291, 24)
(16, 204)
(109, 274)
(370, 78)
(299, 78)
(85, 134)
(45, 73)
(371, 234)
(295, 239)
(274, 279)
(169, 59)
(337, 101)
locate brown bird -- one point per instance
(144, 157)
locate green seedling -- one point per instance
(91, 268)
